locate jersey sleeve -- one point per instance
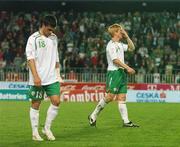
(125, 47)
(112, 53)
(30, 49)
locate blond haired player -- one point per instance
(43, 61)
(116, 81)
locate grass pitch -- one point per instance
(160, 126)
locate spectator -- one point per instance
(156, 76)
(17, 61)
(155, 39)
(72, 75)
(177, 78)
(1, 55)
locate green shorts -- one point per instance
(116, 81)
(37, 93)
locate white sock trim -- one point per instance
(54, 107)
(122, 102)
(34, 110)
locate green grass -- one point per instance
(160, 126)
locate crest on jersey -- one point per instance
(33, 93)
(115, 89)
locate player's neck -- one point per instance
(115, 39)
(41, 32)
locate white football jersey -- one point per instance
(45, 53)
(115, 50)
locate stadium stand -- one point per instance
(83, 37)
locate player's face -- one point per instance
(48, 30)
(119, 34)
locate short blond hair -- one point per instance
(114, 28)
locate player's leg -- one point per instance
(121, 97)
(100, 106)
(122, 107)
(34, 118)
(36, 95)
(123, 111)
(111, 87)
(53, 92)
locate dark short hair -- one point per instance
(49, 20)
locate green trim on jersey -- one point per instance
(37, 93)
(35, 41)
(116, 81)
(37, 34)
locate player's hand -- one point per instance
(60, 80)
(131, 70)
(124, 33)
(37, 81)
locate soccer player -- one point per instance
(116, 81)
(44, 75)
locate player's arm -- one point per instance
(58, 70)
(30, 54)
(131, 46)
(58, 67)
(118, 63)
(32, 66)
(58, 73)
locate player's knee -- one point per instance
(56, 102)
(35, 105)
(123, 99)
(108, 99)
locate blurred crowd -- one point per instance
(83, 37)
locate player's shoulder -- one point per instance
(111, 44)
(121, 43)
(53, 36)
(34, 35)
